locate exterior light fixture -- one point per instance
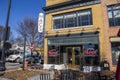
(82, 31)
(68, 33)
(56, 34)
(96, 32)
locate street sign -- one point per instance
(118, 34)
(31, 47)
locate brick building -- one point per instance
(81, 33)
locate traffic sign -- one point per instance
(31, 47)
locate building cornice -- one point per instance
(69, 4)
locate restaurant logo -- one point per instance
(53, 52)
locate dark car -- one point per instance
(35, 58)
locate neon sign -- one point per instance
(90, 51)
(52, 52)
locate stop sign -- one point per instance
(31, 47)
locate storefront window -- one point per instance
(91, 55)
(54, 54)
(115, 52)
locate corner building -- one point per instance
(81, 33)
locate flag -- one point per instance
(118, 69)
(118, 34)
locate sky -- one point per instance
(19, 10)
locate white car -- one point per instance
(14, 57)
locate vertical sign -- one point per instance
(40, 22)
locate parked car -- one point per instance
(15, 57)
(35, 58)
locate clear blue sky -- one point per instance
(19, 10)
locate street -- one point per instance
(12, 66)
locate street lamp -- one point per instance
(5, 38)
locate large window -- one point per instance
(114, 15)
(70, 20)
(58, 22)
(55, 54)
(73, 19)
(115, 52)
(91, 55)
(84, 18)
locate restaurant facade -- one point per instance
(78, 33)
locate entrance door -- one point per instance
(73, 57)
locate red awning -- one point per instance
(118, 69)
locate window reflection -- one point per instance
(115, 52)
(114, 15)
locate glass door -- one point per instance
(73, 57)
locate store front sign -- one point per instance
(53, 52)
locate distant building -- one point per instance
(81, 33)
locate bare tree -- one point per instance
(29, 28)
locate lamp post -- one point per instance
(5, 37)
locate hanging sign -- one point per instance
(40, 22)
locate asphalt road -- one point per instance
(11, 66)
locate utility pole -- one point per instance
(5, 37)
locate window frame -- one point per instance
(75, 19)
(111, 9)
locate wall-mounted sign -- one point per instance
(40, 22)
